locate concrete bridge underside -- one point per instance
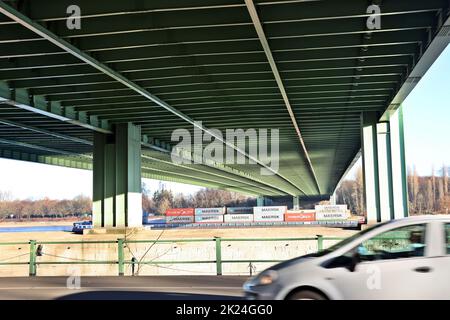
(108, 95)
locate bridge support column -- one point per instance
(384, 167)
(296, 202)
(385, 171)
(117, 199)
(333, 199)
(370, 166)
(399, 173)
(260, 201)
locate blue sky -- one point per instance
(427, 118)
(427, 136)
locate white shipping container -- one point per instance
(275, 210)
(209, 218)
(179, 219)
(331, 208)
(239, 217)
(239, 210)
(331, 216)
(209, 211)
(331, 212)
(268, 217)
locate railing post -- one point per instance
(120, 254)
(32, 262)
(133, 263)
(320, 242)
(218, 256)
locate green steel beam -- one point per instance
(107, 49)
(177, 60)
(203, 19)
(275, 10)
(152, 174)
(22, 99)
(68, 162)
(250, 183)
(208, 64)
(266, 76)
(38, 29)
(223, 171)
(102, 94)
(46, 132)
(77, 70)
(187, 177)
(41, 148)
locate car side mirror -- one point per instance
(356, 258)
(346, 262)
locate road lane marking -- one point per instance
(133, 288)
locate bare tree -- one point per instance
(445, 178)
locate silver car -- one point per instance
(400, 259)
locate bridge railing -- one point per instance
(35, 250)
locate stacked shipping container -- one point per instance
(180, 215)
(209, 215)
(300, 216)
(239, 214)
(254, 214)
(269, 214)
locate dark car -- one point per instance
(78, 227)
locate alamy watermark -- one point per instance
(74, 280)
(374, 279)
(374, 19)
(73, 22)
(238, 146)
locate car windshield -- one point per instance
(344, 242)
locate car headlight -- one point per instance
(266, 278)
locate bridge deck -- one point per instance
(307, 68)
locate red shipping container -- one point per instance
(298, 217)
(180, 212)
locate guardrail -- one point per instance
(121, 262)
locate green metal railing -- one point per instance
(121, 262)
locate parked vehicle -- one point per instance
(78, 227)
(400, 259)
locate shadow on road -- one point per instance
(137, 295)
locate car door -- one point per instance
(392, 265)
(440, 262)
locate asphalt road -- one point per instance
(123, 288)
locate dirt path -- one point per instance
(274, 232)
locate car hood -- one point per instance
(291, 262)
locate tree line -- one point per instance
(427, 194)
(43, 208)
(156, 202)
(163, 198)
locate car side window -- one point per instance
(447, 237)
(404, 242)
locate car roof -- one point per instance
(423, 218)
(429, 217)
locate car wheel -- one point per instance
(306, 295)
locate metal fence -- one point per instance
(36, 246)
